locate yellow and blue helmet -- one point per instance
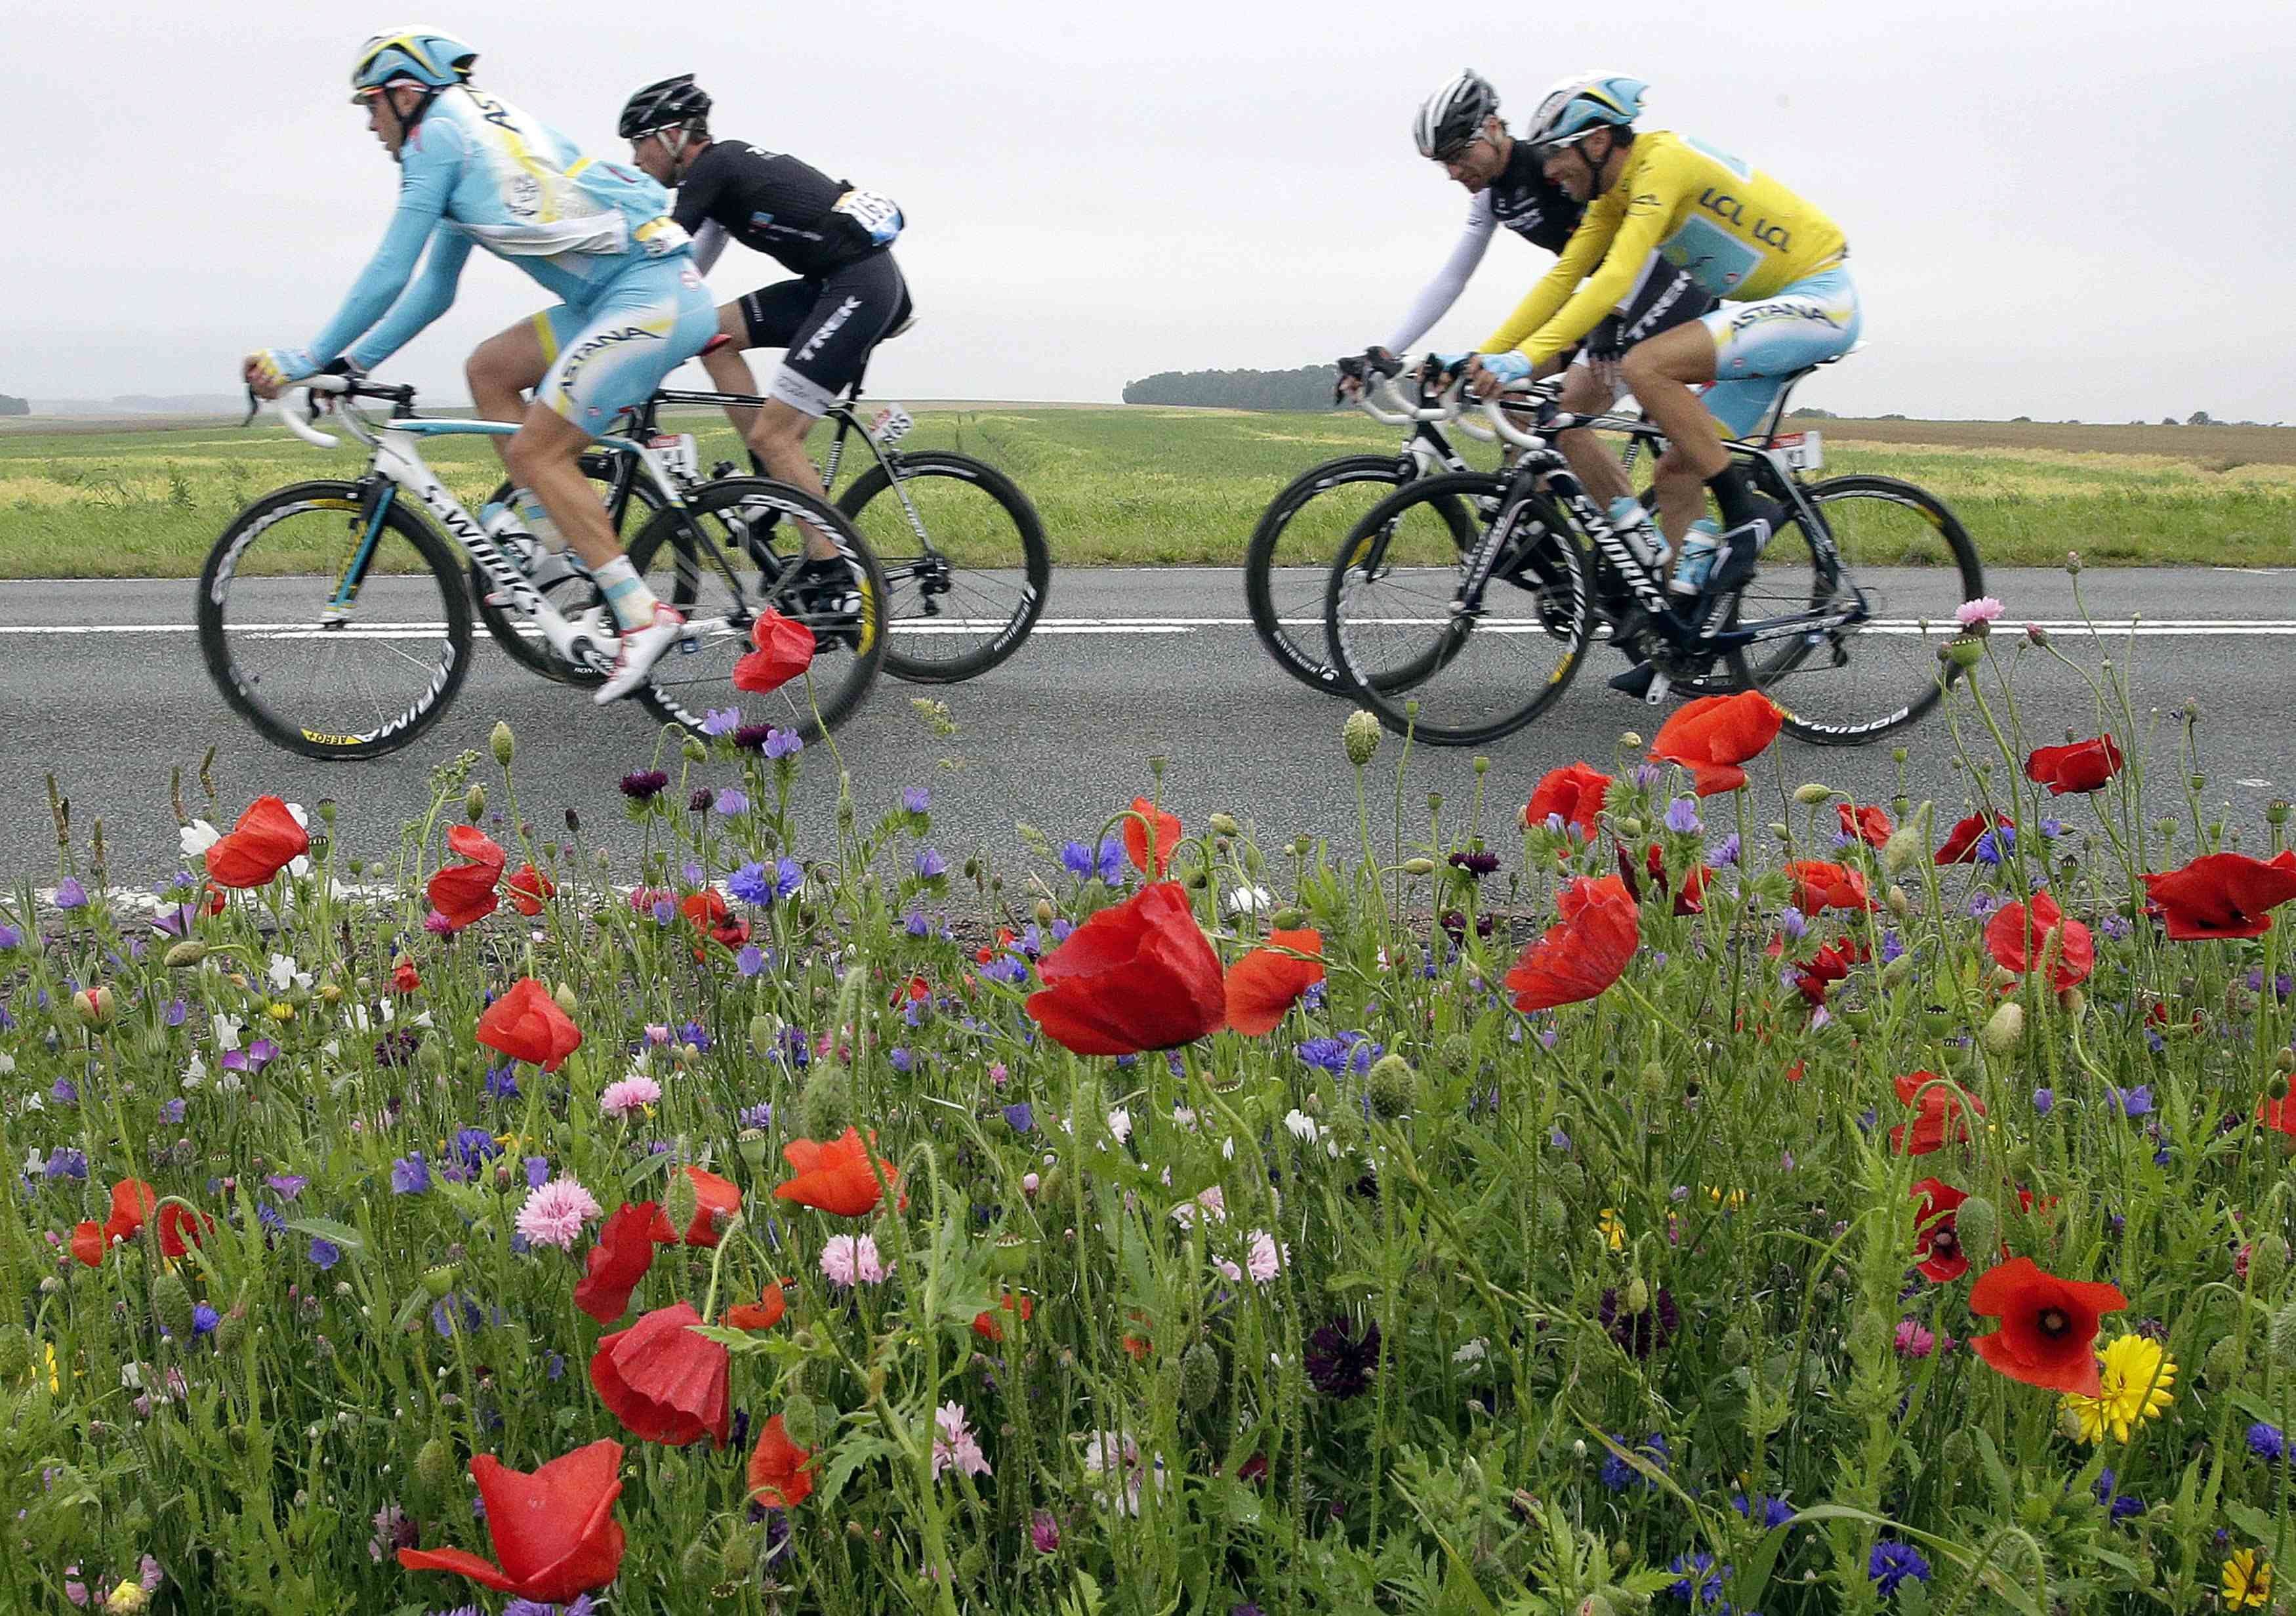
(427, 55)
(1582, 102)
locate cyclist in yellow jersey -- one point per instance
(1779, 262)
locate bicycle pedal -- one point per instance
(1659, 685)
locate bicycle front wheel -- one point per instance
(964, 557)
(1289, 561)
(1449, 675)
(572, 595)
(746, 562)
(338, 628)
(1911, 560)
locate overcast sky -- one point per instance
(2055, 209)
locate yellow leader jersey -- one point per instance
(1737, 232)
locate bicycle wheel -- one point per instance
(965, 556)
(1913, 564)
(571, 596)
(749, 566)
(1289, 559)
(1447, 677)
(335, 636)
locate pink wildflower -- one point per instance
(1266, 1257)
(954, 1445)
(627, 1096)
(1914, 1340)
(1984, 608)
(554, 1214)
(848, 1260)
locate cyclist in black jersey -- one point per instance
(835, 238)
(1459, 127)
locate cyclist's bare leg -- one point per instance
(730, 373)
(1660, 372)
(545, 457)
(1681, 496)
(502, 370)
(775, 432)
(1598, 470)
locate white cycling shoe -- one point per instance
(641, 648)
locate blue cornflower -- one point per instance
(751, 961)
(1996, 844)
(789, 875)
(273, 1221)
(410, 1174)
(1556, 1137)
(1106, 861)
(67, 1161)
(1793, 925)
(760, 1115)
(176, 1010)
(915, 924)
(2266, 1442)
(900, 1058)
(171, 1111)
(474, 1146)
(204, 1319)
(1077, 859)
(10, 938)
(1619, 1476)
(1892, 1562)
(1770, 1512)
(931, 865)
(721, 720)
(452, 1312)
(1725, 851)
(732, 801)
(1345, 1053)
(915, 800)
(1701, 1580)
(749, 883)
(782, 743)
(797, 1048)
(2117, 1506)
(2045, 1101)
(64, 1092)
(286, 1185)
(71, 894)
(2136, 1101)
(1682, 817)
(664, 911)
(1021, 1116)
(325, 1252)
(537, 1172)
(502, 1083)
(1007, 968)
(1893, 946)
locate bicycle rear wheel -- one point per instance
(336, 633)
(571, 596)
(1455, 678)
(749, 565)
(964, 557)
(1289, 561)
(1912, 561)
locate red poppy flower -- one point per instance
(1712, 736)
(835, 1177)
(1690, 900)
(1870, 825)
(1937, 1248)
(1137, 977)
(553, 1532)
(984, 1324)
(2085, 766)
(781, 1472)
(2222, 895)
(1829, 966)
(403, 977)
(264, 841)
(529, 888)
(665, 1383)
(1144, 813)
(180, 1230)
(464, 893)
(1575, 790)
(784, 650)
(2018, 934)
(1819, 886)
(764, 1313)
(88, 1242)
(2048, 1326)
(132, 1202)
(1942, 1114)
(468, 842)
(612, 1269)
(526, 1024)
(1267, 982)
(2279, 1113)
(1961, 842)
(1585, 952)
(715, 1202)
(705, 911)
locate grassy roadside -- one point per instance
(1146, 485)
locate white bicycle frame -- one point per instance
(395, 447)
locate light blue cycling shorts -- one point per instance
(1758, 347)
(611, 354)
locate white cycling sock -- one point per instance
(627, 595)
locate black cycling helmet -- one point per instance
(661, 105)
(1454, 115)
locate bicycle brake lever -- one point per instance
(254, 407)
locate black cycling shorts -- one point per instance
(1662, 298)
(828, 324)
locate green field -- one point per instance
(1136, 484)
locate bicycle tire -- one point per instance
(241, 685)
(1557, 607)
(532, 651)
(1299, 649)
(1005, 628)
(1864, 547)
(809, 705)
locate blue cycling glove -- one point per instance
(1508, 367)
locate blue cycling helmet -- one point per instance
(1582, 102)
(434, 60)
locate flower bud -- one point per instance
(1964, 651)
(434, 1465)
(1360, 736)
(440, 1278)
(94, 1005)
(505, 743)
(1419, 867)
(191, 951)
(1637, 1298)
(1391, 1087)
(1200, 1377)
(1894, 974)
(739, 1555)
(680, 1199)
(474, 803)
(2282, 1338)
(2007, 1030)
(171, 1303)
(826, 1105)
(2285, 1061)
(754, 1146)
(2073, 563)
(695, 749)
(564, 995)
(1811, 794)
(2223, 1362)
(1594, 1604)
(1958, 1449)
(1978, 1226)
(1044, 911)
(1901, 905)
(2072, 1001)
(1224, 824)
(2268, 1262)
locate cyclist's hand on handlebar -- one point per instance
(1490, 374)
(1356, 370)
(270, 371)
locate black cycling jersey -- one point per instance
(772, 203)
(1524, 200)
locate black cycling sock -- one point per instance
(1734, 493)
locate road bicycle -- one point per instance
(360, 660)
(966, 565)
(1460, 608)
(1287, 563)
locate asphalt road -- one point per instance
(101, 683)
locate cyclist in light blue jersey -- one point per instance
(475, 171)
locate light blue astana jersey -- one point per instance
(477, 170)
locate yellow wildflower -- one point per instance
(2136, 1375)
(2247, 1581)
(280, 1010)
(1613, 1229)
